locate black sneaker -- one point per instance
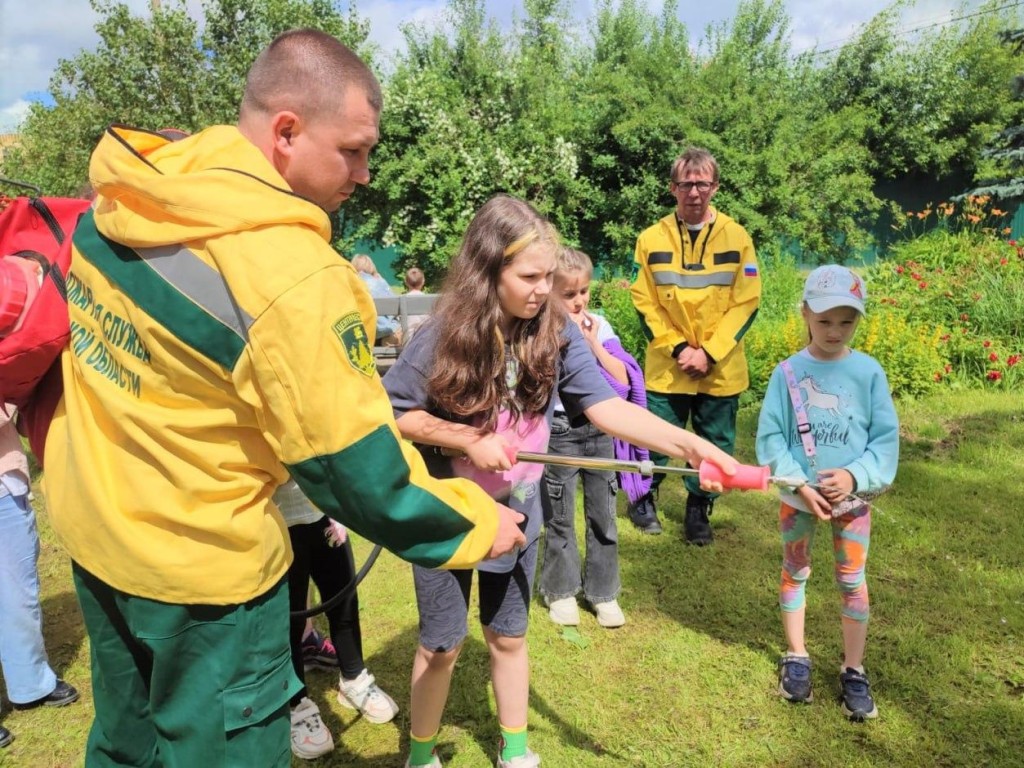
(696, 525)
(62, 695)
(795, 679)
(6, 737)
(644, 515)
(856, 698)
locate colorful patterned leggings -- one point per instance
(851, 535)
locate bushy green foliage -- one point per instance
(584, 123)
(967, 280)
(904, 344)
(908, 346)
(612, 298)
(931, 101)
(158, 71)
(1001, 172)
(471, 112)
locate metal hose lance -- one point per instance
(648, 468)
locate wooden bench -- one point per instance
(403, 308)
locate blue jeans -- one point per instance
(22, 653)
(442, 599)
(560, 575)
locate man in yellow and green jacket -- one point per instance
(220, 345)
(696, 287)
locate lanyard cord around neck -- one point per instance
(708, 225)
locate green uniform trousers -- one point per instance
(182, 686)
(713, 418)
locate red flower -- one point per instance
(922, 285)
(993, 357)
(994, 376)
(1003, 261)
(899, 270)
(986, 343)
(964, 317)
(915, 275)
(937, 377)
(1012, 242)
(949, 368)
(1012, 360)
(944, 338)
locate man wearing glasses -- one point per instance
(696, 286)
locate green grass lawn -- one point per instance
(690, 679)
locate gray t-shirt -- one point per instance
(579, 385)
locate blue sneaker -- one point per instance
(795, 679)
(856, 700)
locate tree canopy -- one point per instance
(584, 123)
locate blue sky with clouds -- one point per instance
(35, 35)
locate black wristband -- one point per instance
(678, 348)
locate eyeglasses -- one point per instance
(702, 186)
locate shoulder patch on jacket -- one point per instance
(350, 331)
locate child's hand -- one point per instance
(587, 326)
(835, 484)
(335, 533)
(815, 502)
(491, 452)
(702, 450)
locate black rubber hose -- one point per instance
(347, 590)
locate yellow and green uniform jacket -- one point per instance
(218, 345)
(703, 294)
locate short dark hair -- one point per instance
(306, 71)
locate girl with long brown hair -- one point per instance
(479, 379)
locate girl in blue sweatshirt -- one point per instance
(828, 416)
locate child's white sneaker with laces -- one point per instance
(310, 737)
(364, 695)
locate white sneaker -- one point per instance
(530, 760)
(565, 611)
(310, 737)
(364, 695)
(609, 614)
(435, 762)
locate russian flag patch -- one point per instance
(750, 270)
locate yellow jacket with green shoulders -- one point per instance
(703, 294)
(218, 345)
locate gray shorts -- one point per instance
(443, 601)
